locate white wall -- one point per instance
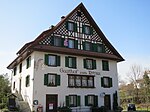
(40, 90)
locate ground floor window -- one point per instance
(72, 100)
(91, 100)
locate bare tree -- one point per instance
(134, 76)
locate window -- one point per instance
(72, 100)
(106, 82)
(89, 63)
(27, 81)
(80, 81)
(71, 26)
(15, 71)
(87, 30)
(52, 60)
(52, 79)
(14, 86)
(105, 65)
(58, 41)
(100, 48)
(20, 68)
(91, 100)
(70, 62)
(28, 61)
(87, 46)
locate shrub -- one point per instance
(2, 105)
(5, 110)
(64, 109)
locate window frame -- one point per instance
(47, 80)
(109, 82)
(105, 65)
(76, 100)
(27, 81)
(57, 41)
(87, 30)
(20, 68)
(73, 27)
(15, 71)
(86, 62)
(95, 100)
(57, 60)
(28, 62)
(72, 64)
(73, 83)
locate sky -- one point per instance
(125, 23)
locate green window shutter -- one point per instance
(96, 101)
(83, 44)
(52, 41)
(86, 100)
(67, 101)
(57, 80)
(91, 31)
(46, 59)
(62, 42)
(103, 49)
(45, 79)
(67, 25)
(58, 60)
(83, 29)
(66, 62)
(110, 82)
(94, 64)
(94, 47)
(102, 81)
(74, 62)
(76, 44)
(78, 101)
(26, 81)
(84, 63)
(75, 27)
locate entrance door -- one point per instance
(51, 103)
(107, 101)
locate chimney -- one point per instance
(62, 17)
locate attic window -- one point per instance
(71, 26)
(79, 13)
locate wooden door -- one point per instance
(51, 103)
(107, 101)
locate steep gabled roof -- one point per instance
(34, 45)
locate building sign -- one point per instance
(72, 71)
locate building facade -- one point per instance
(71, 64)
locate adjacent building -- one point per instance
(71, 64)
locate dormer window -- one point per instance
(71, 26)
(87, 30)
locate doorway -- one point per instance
(51, 102)
(107, 101)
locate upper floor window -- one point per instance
(106, 82)
(87, 30)
(27, 81)
(15, 71)
(52, 60)
(20, 68)
(80, 81)
(52, 79)
(71, 26)
(70, 62)
(87, 46)
(58, 41)
(105, 65)
(91, 100)
(100, 48)
(28, 62)
(72, 100)
(89, 63)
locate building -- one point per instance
(71, 64)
